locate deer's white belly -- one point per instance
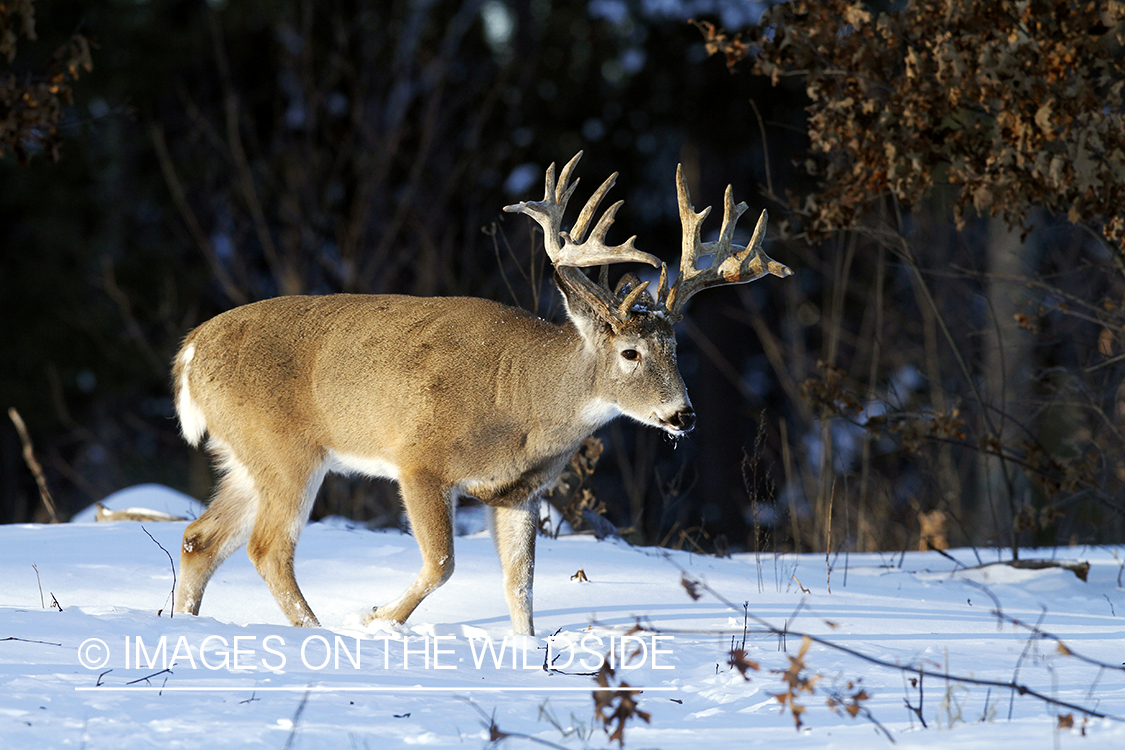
(344, 463)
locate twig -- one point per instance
(42, 604)
(828, 538)
(244, 179)
(921, 670)
(179, 198)
(550, 669)
(125, 309)
(951, 558)
(715, 354)
(745, 622)
(1061, 646)
(148, 677)
(172, 565)
(496, 735)
(781, 639)
(921, 697)
(917, 711)
(871, 717)
(1094, 684)
(297, 721)
(765, 146)
(490, 231)
(847, 525)
(25, 640)
(29, 459)
(1019, 662)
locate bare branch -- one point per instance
(33, 464)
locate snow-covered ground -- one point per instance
(72, 678)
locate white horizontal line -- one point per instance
(359, 689)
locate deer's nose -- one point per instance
(683, 420)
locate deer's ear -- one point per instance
(590, 322)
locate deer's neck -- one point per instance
(584, 405)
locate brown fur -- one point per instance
(450, 396)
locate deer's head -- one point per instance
(634, 355)
(627, 332)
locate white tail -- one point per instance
(450, 397)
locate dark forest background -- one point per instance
(945, 367)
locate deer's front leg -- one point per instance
(429, 507)
(513, 530)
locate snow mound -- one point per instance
(147, 496)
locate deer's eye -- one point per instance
(631, 354)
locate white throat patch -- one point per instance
(599, 411)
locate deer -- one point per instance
(448, 396)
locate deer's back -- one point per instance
(387, 378)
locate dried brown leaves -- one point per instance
(692, 587)
(718, 43)
(739, 661)
(1019, 104)
(625, 708)
(31, 109)
(797, 682)
(850, 703)
(571, 493)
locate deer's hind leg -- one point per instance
(286, 499)
(219, 531)
(429, 506)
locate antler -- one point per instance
(730, 264)
(572, 250)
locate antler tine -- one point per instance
(731, 214)
(630, 299)
(578, 231)
(593, 251)
(549, 187)
(606, 221)
(730, 263)
(690, 245)
(570, 249)
(753, 258)
(564, 191)
(662, 287)
(691, 221)
(548, 212)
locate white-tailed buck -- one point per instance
(450, 397)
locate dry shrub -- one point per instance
(32, 105)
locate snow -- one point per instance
(148, 497)
(301, 688)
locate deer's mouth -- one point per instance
(680, 423)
